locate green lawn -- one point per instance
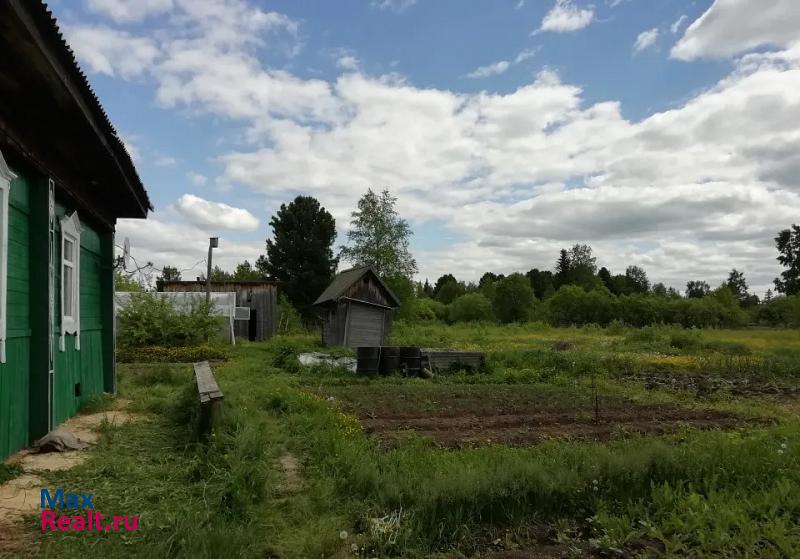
(730, 492)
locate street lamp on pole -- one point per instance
(213, 242)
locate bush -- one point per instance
(472, 307)
(574, 306)
(289, 320)
(514, 299)
(150, 320)
(425, 309)
(780, 311)
(170, 354)
(285, 357)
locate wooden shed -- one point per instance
(260, 296)
(65, 179)
(356, 309)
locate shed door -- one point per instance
(365, 326)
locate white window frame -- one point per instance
(71, 231)
(6, 176)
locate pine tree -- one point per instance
(788, 244)
(299, 254)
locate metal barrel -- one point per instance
(410, 360)
(368, 360)
(390, 360)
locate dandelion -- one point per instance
(343, 535)
(780, 451)
(783, 445)
(354, 547)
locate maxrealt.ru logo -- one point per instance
(79, 503)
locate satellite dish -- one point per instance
(126, 253)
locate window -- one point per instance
(70, 279)
(6, 176)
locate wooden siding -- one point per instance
(14, 378)
(368, 289)
(259, 297)
(347, 322)
(85, 366)
(365, 325)
(262, 302)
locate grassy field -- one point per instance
(694, 453)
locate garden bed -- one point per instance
(456, 416)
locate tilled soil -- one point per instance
(517, 416)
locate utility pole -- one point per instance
(213, 242)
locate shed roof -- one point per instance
(42, 77)
(346, 278)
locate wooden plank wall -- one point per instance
(263, 297)
(14, 373)
(367, 289)
(85, 366)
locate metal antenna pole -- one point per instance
(213, 242)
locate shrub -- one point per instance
(472, 307)
(289, 320)
(150, 320)
(514, 299)
(780, 311)
(285, 357)
(572, 305)
(425, 309)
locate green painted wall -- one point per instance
(24, 376)
(14, 377)
(86, 366)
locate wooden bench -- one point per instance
(210, 397)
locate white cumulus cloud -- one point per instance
(565, 16)
(393, 5)
(676, 26)
(215, 215)
(111, 51)
(198, 179)
(347, 62)
(688, 192)
(126, 11)
(645, 39)
(490, 69)
(731, 27)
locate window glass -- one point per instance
(68, 287)
(68, 250)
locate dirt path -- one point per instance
(290, 468)
(20, 496)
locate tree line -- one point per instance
(300, 254)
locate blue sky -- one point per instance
(507, 129)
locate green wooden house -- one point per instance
(65, 179)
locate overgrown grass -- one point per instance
(699, 494)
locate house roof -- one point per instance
(43, 78)
(346, 278)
